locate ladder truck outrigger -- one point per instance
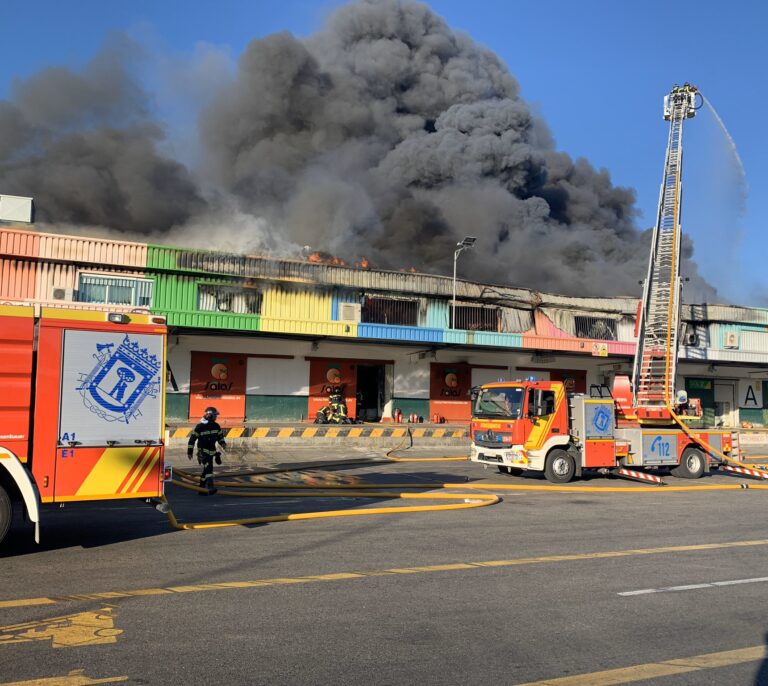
(537, 426)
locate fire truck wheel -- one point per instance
(691, 464)
(504, 469)
(559, 467)
(6, 513)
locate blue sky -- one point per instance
(596, 71)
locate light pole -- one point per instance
(466, 242)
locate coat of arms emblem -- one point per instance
(121, 380)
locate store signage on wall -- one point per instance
(218, 379)
(751, 393)
(450, 383)
(599, 350)
(700, 384)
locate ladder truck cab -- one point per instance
(82, 398)
(534, 425)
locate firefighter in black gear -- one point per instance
(207, 434)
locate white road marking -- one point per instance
(693, 587)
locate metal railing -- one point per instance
(393, 311)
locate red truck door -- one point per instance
(99, 407)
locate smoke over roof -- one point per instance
(85, 146)
(386, 135)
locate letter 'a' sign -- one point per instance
(751, 393)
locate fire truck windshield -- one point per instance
(499, 402)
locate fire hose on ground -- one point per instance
(233, 485)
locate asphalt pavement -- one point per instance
(586, 586)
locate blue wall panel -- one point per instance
(341, 297)
(400, 333)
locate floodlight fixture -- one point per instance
(466, 243)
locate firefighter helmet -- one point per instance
(211, 413)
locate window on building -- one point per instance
(212, 298)
(114, 290)
(390, 311)
(476, 318)
(595, 327)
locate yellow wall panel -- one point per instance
(304, 326)
(289, 304)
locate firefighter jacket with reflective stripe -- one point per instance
(206, 434)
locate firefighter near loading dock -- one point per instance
(207, 434)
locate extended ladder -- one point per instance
(655, 360)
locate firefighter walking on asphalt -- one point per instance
(207, 434)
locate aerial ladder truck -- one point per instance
(536, 426)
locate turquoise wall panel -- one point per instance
(438, 314)
(457, 336)
(500, 340)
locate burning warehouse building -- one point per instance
(264, 339)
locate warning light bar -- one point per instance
(118, 318)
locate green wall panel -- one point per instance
(177, 405)
(412, 405)
(214, 320)
(756, 416)
(163, 257)
(704, 389)
(175, 296)
(265, 408)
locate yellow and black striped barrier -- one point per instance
(330, 431)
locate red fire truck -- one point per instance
(82, 398)
(534, 425)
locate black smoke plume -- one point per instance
(86, 147)
(385, 135)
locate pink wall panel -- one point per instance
(19, 243)
(93, 250)
(17, 279)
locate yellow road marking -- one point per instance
(308, 433)
(285, 433)
(439, 433)
(377, 433)
(74, 678)
(261, 433)
(69, 631)
(355, 433)
(332, 433)
(521, 561)
(399, 433)
(654, 670)
(236, 432)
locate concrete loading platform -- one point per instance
(352, 435)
